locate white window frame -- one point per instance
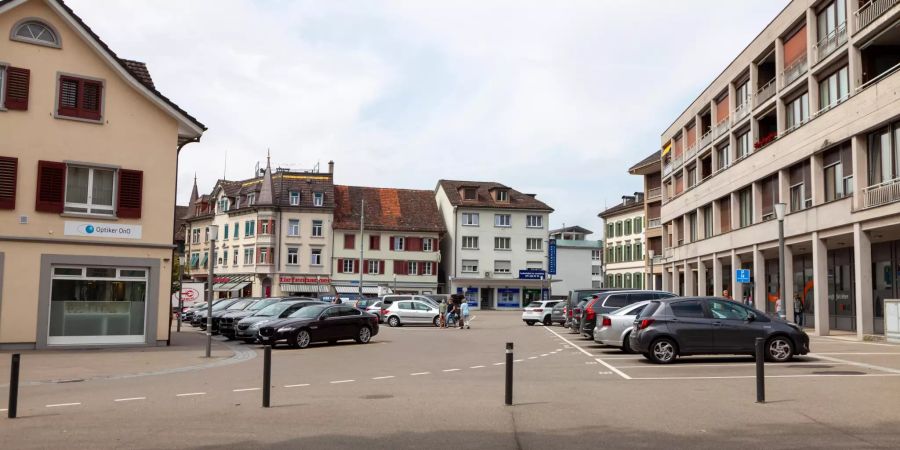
(529, 244)
(2, 86)
(472, 242)
(412, 267)
(294, 198)
(347, 266)
(317, 228)
(595, 255)
(500, 241)
(374, 266)
(470, 219)
(315, 259)
(429, 268)
(502, 220)
(251, 199)
(470, 265)
(263, 255)
(427, 245)
(249, 256)
(223, 205)
(293, 253)
(318, 198)
(502, 195)
(235, 257)
(534, 221)
(89, 206)
(293, 227)
(506, 270)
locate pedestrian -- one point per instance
(798, 310)
(442, 311)
(337, 300)
(451, 312)
(464, 315)
(726, 294)
(779, 307)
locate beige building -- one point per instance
(650, 169)
(624, 243)
(87, 186)
(807, 115)
(274, 234)
(400, 246)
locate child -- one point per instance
(465, 315)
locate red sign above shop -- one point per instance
(306, 280)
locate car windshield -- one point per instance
(310, 312)
(222, 305)
(274, 310)
(375, 305)
(302, 307)
(240, 304)
(262, 304)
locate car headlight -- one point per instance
(285, 329)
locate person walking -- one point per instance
(798, 310)
(464, 315)
(451, 313)
(442, 310)
(726, 294)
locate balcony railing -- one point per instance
(706, 139)
(654, 223)
(830, 43)
(740, 112)
(871, 11)
(658, 259)
(691, 152)
(882, 193)
(721, 128)
(672, 165)
(653, 193)
(794, 71)
(766, 92)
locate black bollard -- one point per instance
(267, 375)
(760, 370)
(509, 372)
(13, 387)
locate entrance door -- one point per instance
(841, 303)
(267, 287)
(884, 270)
(487, 298)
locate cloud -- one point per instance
(555, 98)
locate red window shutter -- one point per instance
(398, 267)
(349, 241)
(381, 267)
(8, 178)
(355, 266)
(392, 244)
(374, 242)
(91, 103)
(131, 192)
(421, 268)
(340, 267)
(17, 82)
(51, 187)
(68, 96)
(272, 226)
(271, 255)
(365, 266)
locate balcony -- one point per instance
(794, 71)
(766, 92)
(691, 152)
(882, 193)
(672, 165)
(721, 128)
(706, 139)
(830, 43)
(871, 11)
(654, 223)
(654, 193)
(740, 112)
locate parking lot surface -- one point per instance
(416, 387)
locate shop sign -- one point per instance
(532, 274)
(551, 257)
(305, 280)
(102, 230)
(96, 308)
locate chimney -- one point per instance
(627, 199)
(331, 167)
(639, 196)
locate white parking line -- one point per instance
(190, 394)
(296, 385)
(419, 373)
(545, 354)
(2, 410)
(532, 357)
(498, 364)
(341, 381)
(245, 389)
(852, 353)
(734, 377)
(476, 367)
(62, 404)
(383, 378)
(854, 363)
(608, 366)
(129, 399)
(519, 360)
(687, 365)
(450, 370)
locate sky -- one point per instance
(556, 98)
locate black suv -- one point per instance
(673, 327)
(607, 302)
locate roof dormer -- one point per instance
(500, 194)
(468, 193)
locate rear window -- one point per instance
(641, 296)
(690, 308)
(616, 301)
(551, 304)
(648, 310)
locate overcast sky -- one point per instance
(556, 98)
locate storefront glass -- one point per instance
(885, 268)
(771, 286)
(508, 298)
(841, 305)
(90, 305)
(803, 285)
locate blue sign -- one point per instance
(507, 298)
(742, 275)
(551, 257)
(471, 295)
(532, 274)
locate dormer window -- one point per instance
(223, 205)
(237, 202)
(470, 193)
(35, 32)
(295, 198)
(251, 199)
(502, 195)
(318, 198)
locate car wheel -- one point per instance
(332, 342)
(530, 322)
(626, 345)
(663, 351)
(364, 335)
(394, 321)
(779, 349)
(436, 321)
(299, 339)
(547, 321)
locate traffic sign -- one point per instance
(742, 275)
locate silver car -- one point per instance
(612, 328)
(402, 312)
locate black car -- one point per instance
(668, 328)
(318, 323)
(607, 302)
(247, 329)
(199, 319)
(240, 305)
(227, 324)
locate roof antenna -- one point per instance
(225, 168)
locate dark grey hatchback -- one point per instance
(668, 328)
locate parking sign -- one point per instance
(742, 275)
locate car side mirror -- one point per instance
(751, 317)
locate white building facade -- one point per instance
(624, 243)
(579, 261)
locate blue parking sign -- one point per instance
(742, 275)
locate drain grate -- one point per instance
(839, 372)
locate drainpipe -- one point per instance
(174, 209)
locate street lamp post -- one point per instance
(779, 214)
(213, 237)
(651, 254)
(181, 261)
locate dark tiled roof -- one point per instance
(283, 183)
(621, 207)
(517, 200)
(181, 213)
(132, 67)
(652, 158)
(387, 209)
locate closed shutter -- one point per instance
(68, 97)
(355, 266)
(131, 187)
(381, 267)
(366, 266)
(392, 244)
(17, 82)
(8, 178)
(422, 268)
(349, 241)
(92, 92)
(51, 187)
(80, 98)
(271, 255)
(340, 267)
(399, 267)
(414, 244)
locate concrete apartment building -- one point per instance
(87, 186)
(579, 260)
(650, 168)
(624, 243)
(808, 115)
(495, 249)
(400, 245)
(274, 233)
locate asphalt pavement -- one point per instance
(423, 387)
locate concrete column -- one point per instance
(717, 219)
(788, 288)
(784, 188)
(756, 194)
(858, 147)
(717, 275)
(701, 224)
(737, 289)
(779, 64)
(780, 116)
(759, 279)
(813, 89)
(666, 280)
(754, 86)
(701, 278)
(675, 285)
(862, 266)
(735, 211)
(820, 285)
(688, 279)
(854, 60)
(732, 141)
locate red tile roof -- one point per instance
(387, 209)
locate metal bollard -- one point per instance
(760, 370)
(267, 375)
(13, 386)
(509, 373)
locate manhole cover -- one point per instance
(810, 366)
(839, 372)
(376, 397)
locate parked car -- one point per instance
(575, 320)
(318, 323)
(437, 298)
(576, 296)
(199, 319)
(239, 305)
(610, 301)
(414, 310)
(188, 313)
(539, 311)
(672, 327)
(375, 309)
(387, 300)
(558, 314)
(248, 327)
(228, 322)
(613, 328)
